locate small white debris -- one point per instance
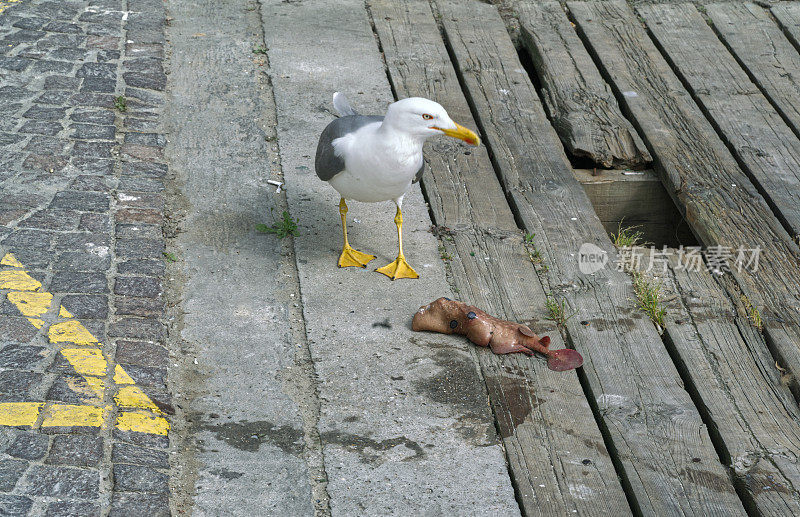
(630, 94)
(94, 249)
(503, 91)
(573, 218)
(126, 197)
(357, 221)
(632, 173)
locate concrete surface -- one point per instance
(247, 431)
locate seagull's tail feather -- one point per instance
(342, 105)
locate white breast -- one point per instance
(378, 166)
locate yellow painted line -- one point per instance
(71, 331)
(86, 361)
(142, 422)
(134, 397)
(121, 376)
(66, 415)
(31, 304)
(19, 413)
(89, 363)
(10, 260)
(18, 280)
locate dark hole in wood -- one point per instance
(636, 200)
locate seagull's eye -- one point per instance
(426, 116)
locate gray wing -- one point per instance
(327, 164)
(419, 172)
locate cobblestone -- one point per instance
(78, 450)
(68, 193)
(63, 482)
(28, 446)
(73, 509)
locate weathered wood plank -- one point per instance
(788, 16)
(651, 421)
(555, 450)
(721, 205)
(726, 363)
(762, 48)
(581, 105)
(765, 146)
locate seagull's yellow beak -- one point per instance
(461, 133)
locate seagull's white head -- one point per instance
(423, 118)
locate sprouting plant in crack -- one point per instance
(286, 226)
(648, 297)
(753, 314)
(121, 104)
(533, 252)
(627, 237)
(557, 311)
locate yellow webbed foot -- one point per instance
(351, 257)
(398, 269)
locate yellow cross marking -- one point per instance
(88, 362)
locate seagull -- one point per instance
(374, 158)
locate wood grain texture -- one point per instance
(719, 201)
(581, 106)
(555, 450)
(765, 146)
(788, 16)
(726, 363)
(762, 48)
(653, 424)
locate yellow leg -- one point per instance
(399, 268)
(349, 256)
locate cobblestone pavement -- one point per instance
(84, 407)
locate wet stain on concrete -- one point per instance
(249, 436)
(226, 474)
(370, 449)
(456, 383)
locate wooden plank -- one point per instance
(719, 202)
(762, 48)
(581, 106)
(555, 450)
(764, 145)
(635, 198)
(788, 16)
(650, 420)
(726, 363)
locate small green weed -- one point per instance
(286, 226)
(260, 49)
(170, 256)
(529, 238)
(121, 104)
(648, 297)
(627, 237)
(557, 312)
(444, 255)
(753, 314)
